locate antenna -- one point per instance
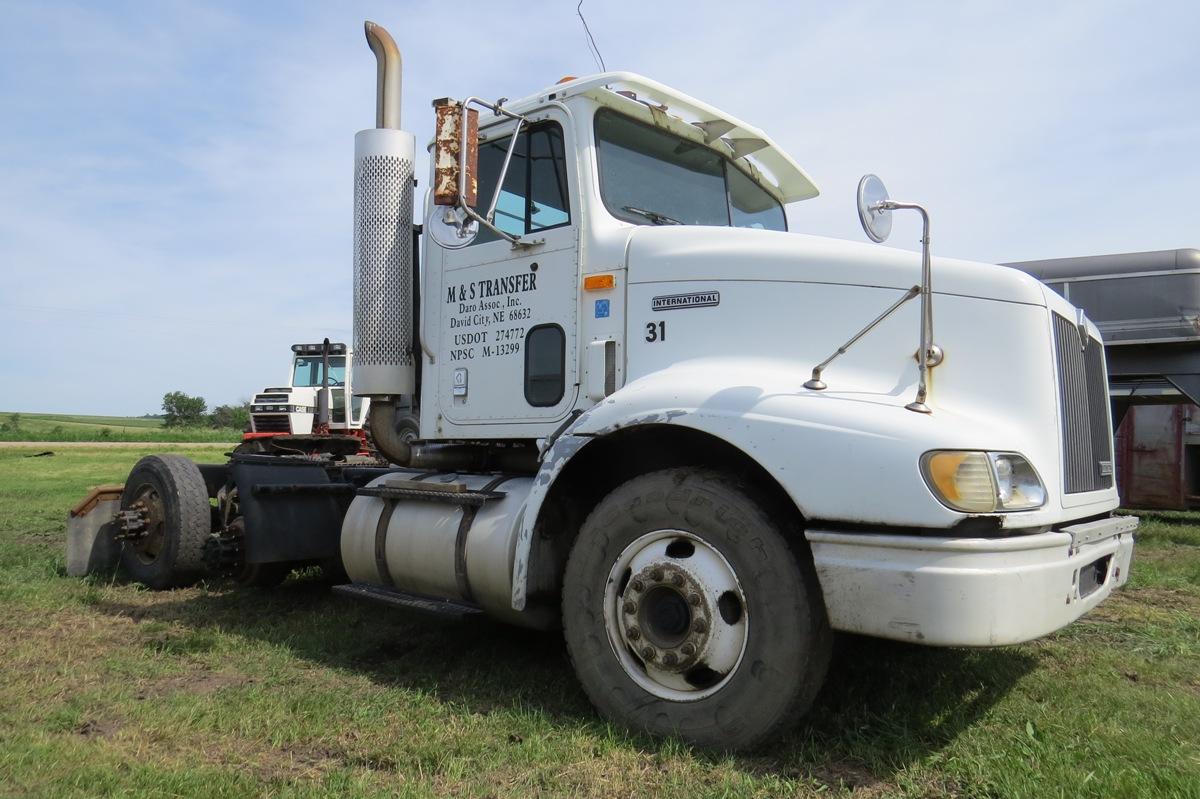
(591, 42)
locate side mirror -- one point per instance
(876, 220)
(449, 158)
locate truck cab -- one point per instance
(523, 335)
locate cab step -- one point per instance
(452, 493)
(399, 599)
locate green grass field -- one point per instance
(68, 427)
(107, 689)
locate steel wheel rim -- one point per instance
(676, 615)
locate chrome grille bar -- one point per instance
(1083, 410)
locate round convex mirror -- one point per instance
(876, 222)
(445, 224)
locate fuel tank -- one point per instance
(447, 536)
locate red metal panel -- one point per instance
(1150, 443)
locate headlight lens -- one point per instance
(983, 482)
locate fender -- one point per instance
(829, 450)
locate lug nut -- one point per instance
(677, 578)
(648, 653)
(629, 606)
(656, 575)
(694, 599)
(700, 626)
(688, 649)
(669, 659)
(637, 585)
(633, 633)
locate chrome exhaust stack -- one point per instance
(384, 363)
(388, 77)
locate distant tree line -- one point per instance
(183, 410)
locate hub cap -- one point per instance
(675, 615)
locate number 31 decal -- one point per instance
(656, 331)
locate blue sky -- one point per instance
(175, 194)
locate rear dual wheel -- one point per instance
(171, 520)
(688, 612)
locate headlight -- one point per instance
(983, 482)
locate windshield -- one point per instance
(653, 177)
(308, 371)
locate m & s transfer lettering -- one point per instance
(492, 287)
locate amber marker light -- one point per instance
(599, 282)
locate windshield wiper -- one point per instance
(653, 216)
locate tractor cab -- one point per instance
(292, 409)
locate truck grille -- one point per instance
(272, 423)
(271, 398)
(1083, 410)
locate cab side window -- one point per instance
(534, 195)
(545, 365)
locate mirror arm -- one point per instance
(512, 145)
(469, 212)
(816, 383)
(924, 362)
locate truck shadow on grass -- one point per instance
(884, 705)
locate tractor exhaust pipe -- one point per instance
(385, 366)
(388, 78)
(321, 422)
(384, 362)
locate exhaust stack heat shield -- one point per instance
(383, 262)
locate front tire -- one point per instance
(688, 612)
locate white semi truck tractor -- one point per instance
(653, 416)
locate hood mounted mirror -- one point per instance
(875, 213)
(875, 217)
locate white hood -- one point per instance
(667, 253)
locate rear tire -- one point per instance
(643, 572)
(171, 553)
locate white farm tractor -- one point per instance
(653, 417)
(295, 409)
(317, 410)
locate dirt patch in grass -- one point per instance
(852, 777)
(98, 729)
(46, 639)
(1172, 598)
(284, 763)
(200, 682)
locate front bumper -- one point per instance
(970, 591)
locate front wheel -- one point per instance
(688, 612)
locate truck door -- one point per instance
(506, 316)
